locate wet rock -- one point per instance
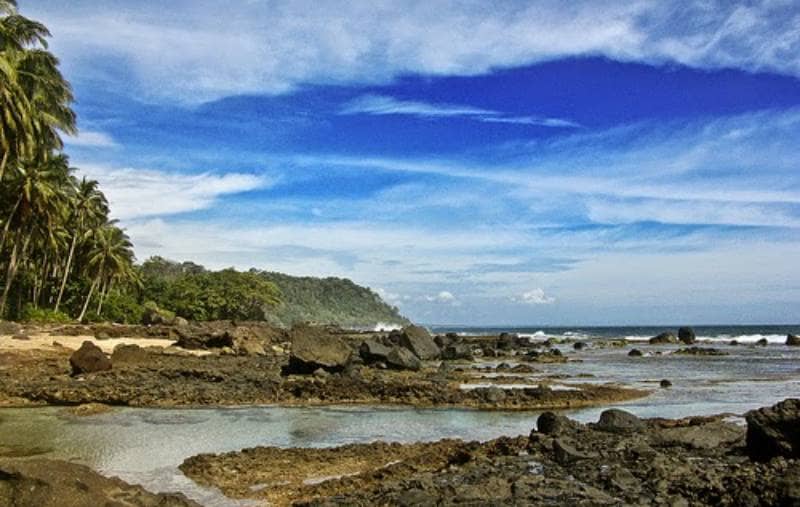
(579, 345)
(665, 384)
(128, 354)
(700, 351)
(418, 340)
(52, 483)
(400, 358)
(774, 431)
(618, 421)
(522, 368)
(89, 359)
(551, 423)
(663, 339)
(314, 347)
(456, 352)
(507, 341)
(793, 340)
(762, 342)
(686, 335)
(635, 353)
(733, 343)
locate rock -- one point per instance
(314, 347)
(774, 431)
(455, 352)
(507, 341)
(566, 454)
(128, 354)
(663, 339)
(700, 351)
(180, 322)
(54, 483)
(665, 383)
(635, 353)
(89, 359)
(793, 340)
(493, 395)
(418, 340)
(443, 341)
(710, 435)
(551, 423)
(762, 342)
(686, 335)
(321, 374)
(579, 345)
(373, 351)
(153, 315)
(9, 328)
(21, 337)
(733, 343)
(618, 421)
(523, 368)
(400, 358)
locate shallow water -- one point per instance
(145, 446)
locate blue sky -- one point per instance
(524, 163)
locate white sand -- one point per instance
(45, 342)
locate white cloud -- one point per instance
(187, 53)
(91, 139)
(378, 105)
(534, 297)
(136, 193)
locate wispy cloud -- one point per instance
(91, 139)
(278, 46)
(380, 105)
(136, 193)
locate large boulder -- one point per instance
(153, 315)
(314, 347)
(418, 340)
(618, 421)
(551, 423)
(128, 354)
(774, 431)
(373, 351)
(400, 358)
(793, 340)
(89, 359)
(663, 339)
(686, 335)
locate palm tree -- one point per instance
(40, 207)
(34, 96)
(111, 258)
(89, 208)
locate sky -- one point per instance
(475, 163)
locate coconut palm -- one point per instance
(110, 259)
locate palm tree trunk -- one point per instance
(13, 263)
(66, 270)
(103, 292)
(3, 164)
(88, 298)
(7, 226)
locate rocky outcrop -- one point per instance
(459, 351)
(700, 351)
(774, 431)
(663, 339)
(418, 340)
(793, 340)
(314, 347)
(89, 359)
(53, 483)
(9, 328)
(373, 351)
(128, 354)
(403, 359)
(155, 316)
(686, 335)
(551, 423)
(241, 339)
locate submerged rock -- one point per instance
(89, 359)
(774, 431)
(763, 342)
(665, 383)
(686, 335)
(635, 353)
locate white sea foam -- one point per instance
(725, 338)
(383, 326)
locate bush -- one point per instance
(43, 315)
(122, 308)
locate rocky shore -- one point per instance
(619, 460)
(225, 363)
